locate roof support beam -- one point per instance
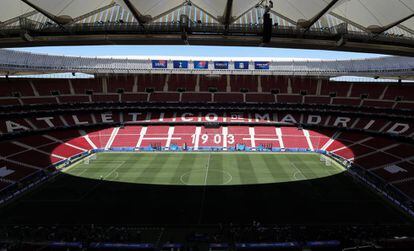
(138, 16)
(77, 19)
(387, 27)
(283, 17)
(308, 24)
(60, 21)
(166, 12)
(15, 19)
(227, 13)
(405, 28)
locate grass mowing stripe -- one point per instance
(185, 164)
(206, 168)
(153, 171)
(216, 163)
(135, 175)
(113, 170)
(281, 201)
(196, 173)
(273, 164)
(246, 171)
(130, 169)
(309, 169)
(287, 170)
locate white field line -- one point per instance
(208, 165)
(297, 172)
(106, 176)
(116, 168)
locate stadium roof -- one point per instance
(387, 24)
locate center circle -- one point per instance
(201, 177)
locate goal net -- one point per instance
(326, 160)
(90, 158)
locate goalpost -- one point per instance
(326, 160)
(88, 159)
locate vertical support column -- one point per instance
(167, 78)
(350, 90)
(36, 93)
(383, 92)
(289, 87)
(104, 85)
(135, 86)
(72, 91)
(319, 87)
(228, 87)
(197, 87)
(259, 84)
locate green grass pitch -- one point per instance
(205, 168)
(202, 189)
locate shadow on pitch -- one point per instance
(75, 200)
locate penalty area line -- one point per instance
(297, 172)
(99, 183)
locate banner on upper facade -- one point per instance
(159, 64)
(241, 65)
(179, 64)
(200, 64)
(262, 65)
(221, 65)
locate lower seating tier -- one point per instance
(386, 158)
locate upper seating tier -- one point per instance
(200, 88)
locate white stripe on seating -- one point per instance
(355, 143)
(112, 137)
(331, 140)
(68, 144)
(22, 164)
(141, 136)
(402, 180)
(169, 136)
(86, 137)
(225, 132)
(279, 136)
(252, 139)
(307, 136)
(378, 150)
(197, 137)
(393, 163)
(37, 150)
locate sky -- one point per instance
(196, 51)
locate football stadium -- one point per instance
(192, 152)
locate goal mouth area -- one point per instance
(204, 168)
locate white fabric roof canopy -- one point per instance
(367, 14)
